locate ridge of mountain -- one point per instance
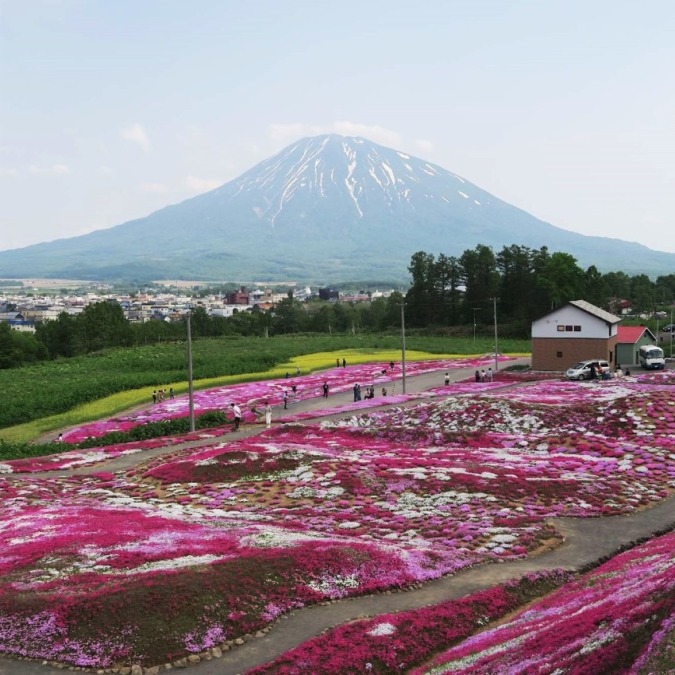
(324, 209)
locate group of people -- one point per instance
(369, 393)
(483, 376)
(159, 395)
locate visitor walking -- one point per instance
(325, 389)
(171, 394)
(236, 411)
(154, 396)
(490, 375)
(268, 415)
(446, 378)
(285, 399)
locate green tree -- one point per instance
(418, 299)
(480, 277)
(58, 336)
(642, 293)
(561, 279)
(287, 315)
(102, 325)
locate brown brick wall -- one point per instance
(545, 350)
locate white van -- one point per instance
(584, 369)
(651, 357)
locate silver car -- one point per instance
(584, 369)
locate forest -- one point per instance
(447, 295)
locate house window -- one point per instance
(568, 329)
(577, 329)
(561, 329)
(559, 355)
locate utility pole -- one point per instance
(189, 365)
(403, 345)
(494, 300)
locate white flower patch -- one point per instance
(173, 564)
(331, 492)
(206, 462)
(276, 538)
(504, 538)
(382, 629)
(302, 492)
(6, 468)
(349, 525)
(85, 458)
(328, 585)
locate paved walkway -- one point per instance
(586, 542)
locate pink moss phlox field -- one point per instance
(598, 623)
(392, 643)
(79, 458)
(207, 544)
(252, 394)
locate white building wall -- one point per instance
(591, 327)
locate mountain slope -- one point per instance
(323, 209)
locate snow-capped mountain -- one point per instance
(323, 209)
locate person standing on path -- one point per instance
(154, 396)
(285, 399)
(268, 415)
(236, 411)
(490, 375)
(447, 378)
(325, 389)
(344, 363)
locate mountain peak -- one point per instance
(326, 208)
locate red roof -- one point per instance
(630, 334)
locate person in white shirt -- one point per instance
(236, 411)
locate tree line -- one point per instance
(446, 293)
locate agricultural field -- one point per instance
(108, 382)
(185, 553)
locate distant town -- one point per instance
(22, 307)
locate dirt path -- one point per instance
(586, 542)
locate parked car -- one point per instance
(584, 369)
(669, 328)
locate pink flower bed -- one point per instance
(597, 623)
(207, 544)
(251, 394)
(391, 643)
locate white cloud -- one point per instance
(7, 173)
(136, 134)
(197, 185)
(154, 188)
(424, 146)
(54, 170)
(378, 134)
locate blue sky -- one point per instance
(111, 109)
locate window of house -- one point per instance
(561, 329)
(559, 355)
